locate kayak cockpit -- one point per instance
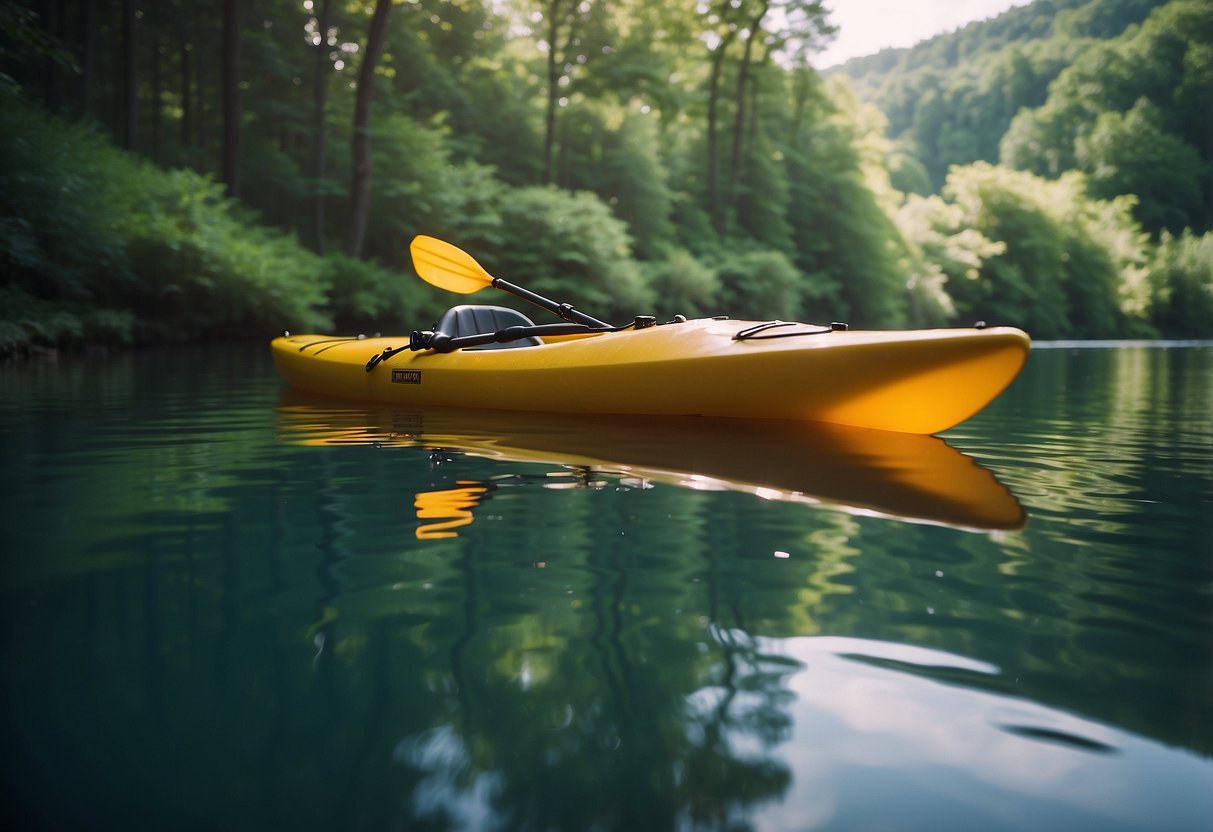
(482, 319)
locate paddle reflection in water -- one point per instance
(451, 506)
(904, 476)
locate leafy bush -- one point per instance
(1070, 266)
(101, 245)
(760, 285)
(27, 322)
(568, 247)
(200, 267)
(1181, 275)
(683, 285)
(425, 192)
(58, 203)
(368, 297)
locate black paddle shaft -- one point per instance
(441, 342)
(564, 310)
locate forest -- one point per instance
(194, 169)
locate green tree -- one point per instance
(1156, 82)
(943, 253)
(907, 174)
(232, 117)
(100, 245)
(634, 183)
(568, 247)
(321, 72)
(360, 188)
(760, 285)
(1131, 154)
(1070, 266)
(951, 99)
(763, 198)
(426, 190)
(840, 206)
(574, 34)
(1181, 276)
(793, 24)
(683, 285)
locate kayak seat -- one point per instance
(473, 319)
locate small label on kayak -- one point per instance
(406, 376)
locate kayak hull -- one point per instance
(920, 381)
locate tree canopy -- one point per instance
(631, 157)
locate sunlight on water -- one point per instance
(868, 713)
(227, 606)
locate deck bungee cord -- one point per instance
(761, 332)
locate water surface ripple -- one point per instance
(223, 606)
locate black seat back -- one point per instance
(472, 319)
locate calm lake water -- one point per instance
(226, 606)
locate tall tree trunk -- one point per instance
(755, 99)
(739, 101)
(231, 98)
(52, 21)
(561, 177)
(715, 207)
(549, 122)
(800, 104)
(130, 88)
(360, 187)
(320, 93)
(202, 108)
(88, 61)
(156, 83)
(187, 104)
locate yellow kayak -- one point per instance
(900, 475)
(911, 381)
(493, 357)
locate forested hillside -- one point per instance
(195, 168)
(949, 100)
(1121, 90)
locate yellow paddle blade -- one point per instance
(447, 267)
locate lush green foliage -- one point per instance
(1182, 283)
(1092, 92)
(683, 285)
(680, 158)
(1133, 113)
(951, 99)
(130, 252)
(1071, 264)
(841, 202)
(557, 243)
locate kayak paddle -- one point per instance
(449, 267)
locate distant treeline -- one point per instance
(215, 169)
(1121, 90)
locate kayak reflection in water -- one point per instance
(905, 476)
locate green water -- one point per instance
(220, 609)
